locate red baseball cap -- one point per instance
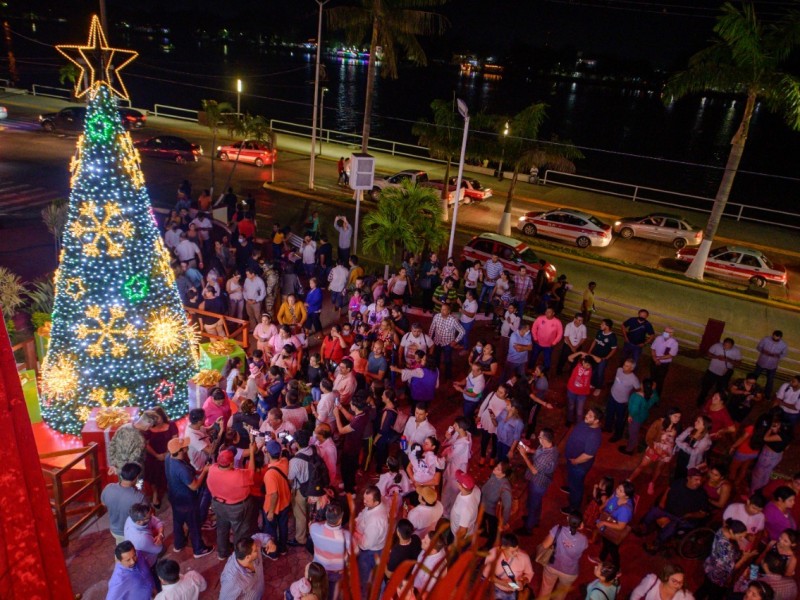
(465, 479)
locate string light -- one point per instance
(164, 391)
(165, 332)
(59, 377)
(104, 230)
(118, 397)
(74, 288)
(106, 331)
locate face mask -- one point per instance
(478, 348)
(241, 240)
(666, 335)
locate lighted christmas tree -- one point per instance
(119, 335)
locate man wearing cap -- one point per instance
(664, 349)
(425, 515)
(183, 484)
(230, 492)
(278, 499)
(464, 513)
(128, 443)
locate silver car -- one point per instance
(672, 229)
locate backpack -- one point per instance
(318, 477)
(400, 422)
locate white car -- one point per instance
(3, 112)
(567, 225)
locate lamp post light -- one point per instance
(238, 98)
(502, 153)
(321, 3)
(464, 112)
(321, 110)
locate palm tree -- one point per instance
(745, 58)
(522, 149)
(54, 216)
(215, 115)
(69, 73)
(393, 25)
(443, 139)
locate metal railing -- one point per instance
(70, 520)
(167, 111)
(66, 94)
(642, 193)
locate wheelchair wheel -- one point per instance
(697, 543)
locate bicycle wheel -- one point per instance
(697, 543)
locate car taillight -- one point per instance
(698, 235)
(130, 117)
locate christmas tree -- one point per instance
(119, 335)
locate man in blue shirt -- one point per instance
(638, 332)
(520, 343)
(131, 579)
(580, 452)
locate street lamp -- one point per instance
(503, 153)
(321, 110)
(464, 112)
(238, 98)
(321, 3)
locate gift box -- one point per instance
(93, 432)
(214, 355)
(42, 342)
(31, 393)
(198, 393)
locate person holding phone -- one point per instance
(513, 570)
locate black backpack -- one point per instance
(318, 476)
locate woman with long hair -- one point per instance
(264, 332)
(660, 446)
(692, 446)
(157, 438)
(312, 586)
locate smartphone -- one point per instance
(523, 446)
(282, 434)
(513, 586)
(288, 438)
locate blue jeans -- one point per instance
(339, 299)
(575, 404)
(534, 505)
(599, 374)
(367, 559)
(486, 290)
(467, 328)
(512, 368)
(444, 353)
(502, 451)
(278, 528)
(633, 351)
(190, 516)
(205, 502)
(470, 408)
(770, 379)
(616, 416)
(504, 595)
(547, 351)
(576, 475)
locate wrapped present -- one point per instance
(41, 338)
(101, 426)
(31, 393)
(214, 355)
(200, 386)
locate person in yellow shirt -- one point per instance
(356, 271)
(587, 306)
(277, 241)
(292, 313)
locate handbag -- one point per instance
(546, 556)
(615, 536)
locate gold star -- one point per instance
(74, 288)
(98, 57)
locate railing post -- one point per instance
(741, 210)
(95, 470)
(61, 517)
(635, 193)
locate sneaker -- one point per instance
(177, 550)
(565, 489)
(270, 555)
(204, 552)
(595, 560)
(651, 488)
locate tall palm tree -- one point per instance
(215, 116)
(745, 58)
(394, 26)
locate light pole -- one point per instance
(321, 3)
(464, 112)
(503, 153)
(321, 110)
(238, 98)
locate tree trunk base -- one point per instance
(505, 224)
(698, 266)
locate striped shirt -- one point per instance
(239, 583)
(330, 546)
(493, 271)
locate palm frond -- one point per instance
(54, 217)
(12, 292)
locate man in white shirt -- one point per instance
(725, 357)
(188, 251)
(309, 252)
(418, 428)
(172, 237)
(175, 586)
(200, 447)
(663, 349)
(574, 336)
(253, 291)
(323, 410)
(464, 513)
(789, 397)
(427, 513)
(337, 285)
(414, 340)
(274, 424)
(625, 383)
(372, 527)
(751, 513)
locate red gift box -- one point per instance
(91, 432)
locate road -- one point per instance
(33, 172)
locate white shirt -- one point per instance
(309, 253)
(434, 567)
(372, 525)
(390, 489)
(738, 511)
(789, 396)
(198, 440)
(253, 289)
(475, 385)
(416, 433)
(666, 347)
(172, 238)
(424, 518)
(497, 405)
(465, 511)
(411, 343)
(575, 334)
(648, 589)
(720, 366)
(338, 278)
(325, 408)
(510, 323)
(188, 587)
(187, 250)
(469, 306)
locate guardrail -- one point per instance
(66, 94)
(163, 110)
(641, 193)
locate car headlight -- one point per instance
(521, 219)
(617, 223)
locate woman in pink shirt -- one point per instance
(217, 405)
(578, 388)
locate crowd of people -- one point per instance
(325, 431)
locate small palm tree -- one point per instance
(54, 216)
(745, 58)
(394, 26)
(69, 73)
(215, 115)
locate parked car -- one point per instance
(472, 189)
(419, 178)
(3, 113)
(512, 253)
(170, 147)
(254, 152)
(72, 119)
(660, 227)
(567, 225)
(739, 264)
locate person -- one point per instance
(639, 405)
(471, 389)
(722, 424)
(520, 343)
(793, 482)
(230, 493)
(187, 251)
(615, 518)
(132, 578)
(216, 407)
(175, 586)
(603, 347)
(547, 332)
(539, 475)
(189, 505)
(418, 428)
(312, 586)
(574, 338)
(347, 171)
(264, 332)
(299, 474)
(243, 575)
(725, 357)
(344, 383)
(323, 441)
(332, 544)
(128, 444)
(377, 365)
(718, 488)
(425, 516)
(637, 332)
(668, 584)
(464, 514)
(509, 568)
(394, 485)
(278, 499)
(691, 447)
(771, 350)
(352, 433)
(682, 507)
(778, 513)
(663, 351)
(456, 452)
(789, 397)
(433, 558)
(580, 451)
(407, 546)
(774, 440)
(491, 273)
(751, 513)
(146, 532)
(743, 394)
(253, 292)
(496, 494)
(371, 531)
(292, 313)
(495, 402)
(579, 386)
(510, 427)
(469, 308)
(606, 584)
(725, 558)
(625, 383)
(523, 287)
(778, 569)
(119, 497)
(587, 302)
(570, 544)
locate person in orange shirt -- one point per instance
(277, 503)
(230, 492)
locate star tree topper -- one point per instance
(98, 58)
